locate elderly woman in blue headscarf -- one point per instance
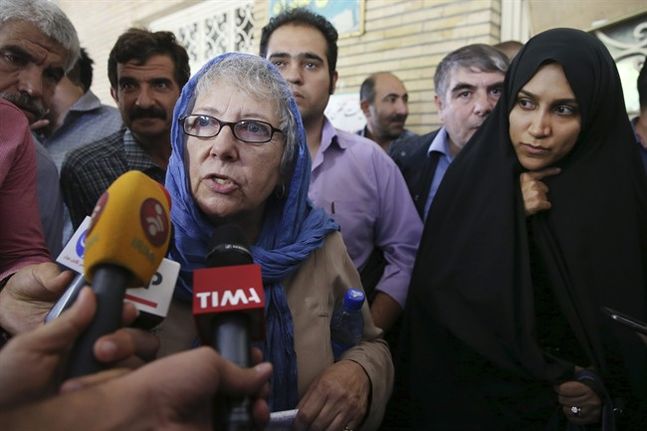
(240, 156)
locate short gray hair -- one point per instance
(49, 19)
(251, 75)
(478, 56)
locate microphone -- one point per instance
(126, 241)
(152, 301)
(228, 305)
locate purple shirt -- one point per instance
(359, 185)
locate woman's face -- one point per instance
(231, 179)
(545, 120)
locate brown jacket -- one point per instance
(312, 294)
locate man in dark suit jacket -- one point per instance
(468, 84)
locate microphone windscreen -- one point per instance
(130, 228)
(228, 247)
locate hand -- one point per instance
(534, 191)
(39, 124)
(576, 394)
(175, 393)
(385, 311)
(180, 388)
(338, 398)
(127, 347)
(28, 362)
(29, 294)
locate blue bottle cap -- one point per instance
(353, 299)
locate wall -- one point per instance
(100, 22)
(582, 14)
(407, 37)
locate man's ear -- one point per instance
(438, 102)
(365, 106)
(333, 82)
(440, 106)
(114, 95)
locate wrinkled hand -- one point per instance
(32, 291)
(576, 394)
(29, 362)
(534, 191)
(29, 294)
(336, 399)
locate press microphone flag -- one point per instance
(152, 301)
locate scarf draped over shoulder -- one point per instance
(292, 229)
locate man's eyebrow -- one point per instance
(495, 85)
(160, 80)
(311, 56)
(18, 50)
(279, 55)
(396, 95)
(462, 86)
(126, 80)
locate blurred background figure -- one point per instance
(468, 84)
(509, 47)
(639, 123)
(385, 103)
(76, 115)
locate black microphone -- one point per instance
(228, 305)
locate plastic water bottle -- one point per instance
(347, 324)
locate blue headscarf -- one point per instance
(292, 229)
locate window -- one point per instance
(627, 43)
(211, 28)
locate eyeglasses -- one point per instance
(250, 131)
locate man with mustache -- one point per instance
(468, 85)
(385, 103)
(34, 55)
(147, 71)
(76, 115)
(37, 45)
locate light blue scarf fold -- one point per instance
(292, 229)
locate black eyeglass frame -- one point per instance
(232, 125)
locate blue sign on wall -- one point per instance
(346, 15)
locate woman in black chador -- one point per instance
(539, 223)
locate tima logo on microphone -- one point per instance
(227, 288)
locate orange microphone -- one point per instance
(127, 240)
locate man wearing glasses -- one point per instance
(147, 72)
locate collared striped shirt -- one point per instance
(88, 171)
